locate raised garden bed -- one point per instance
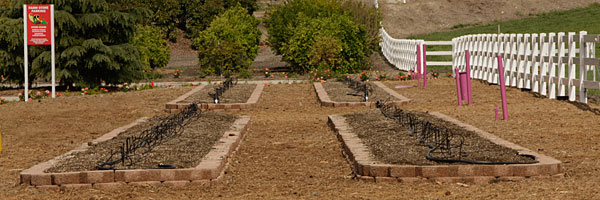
(198, 155)
(380, 149)
(335, 94)
(239, 97)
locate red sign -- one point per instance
(38, 24)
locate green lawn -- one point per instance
(575, 20)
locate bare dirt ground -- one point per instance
(427, 16)
(289, 152)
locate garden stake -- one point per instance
(467, 58)
(418, 64)
(458, 87)
(496, 110)
(463, 86)
(425, 67)
(502, 88)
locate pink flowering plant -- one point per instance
(126, 87)
(381, 76)
(364, 76)
(268, 73)
(434, 75)
(177, 73)
(35, 94)
(322, 75)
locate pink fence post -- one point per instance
(467, 58)
(502, 88)
(418, 71)
(458, 87)
(463, 86)
(418, 64)
(425, 68)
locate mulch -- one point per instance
(239, 93)
(185, 150)
(391, 143)
(339, 92)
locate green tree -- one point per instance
(230, 43)
(154, 50)
(334, 43)
(93, 44)
(197, 15)
(305, 33)
(192, 16)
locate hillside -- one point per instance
(427, 16)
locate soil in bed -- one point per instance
(183, 151)
(391, 143)
(339, 92)
(239, 93)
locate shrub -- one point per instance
(230, 43)
(333, 43)
(245, 74)
(196, 16)
(331, 34)
(154, 51)
(192, 16)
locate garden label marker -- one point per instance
(38, 27)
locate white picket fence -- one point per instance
(550, 64)
(400, 52)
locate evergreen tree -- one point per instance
(93, 43)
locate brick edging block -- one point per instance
(367, 168)
(211, 168)
(174, 106)
(327, 102)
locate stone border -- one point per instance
(326, 101)
(174, 106)
(365, 167)
(210, 170)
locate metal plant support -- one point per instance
(230, 82)
(444, 145)
(135, 148)
(359, 87)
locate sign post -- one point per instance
(38, 23)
